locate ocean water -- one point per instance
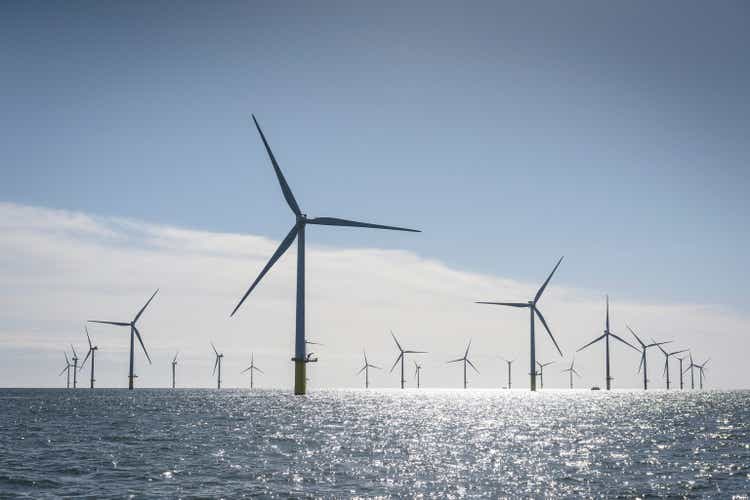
(343, 443)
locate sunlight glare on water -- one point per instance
(436, 443)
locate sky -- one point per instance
(509, 133)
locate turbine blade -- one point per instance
(509, 304)
(659, 346)
(75, 354)
(66, 358)
(138, 334)
(677, 352)
(116, 323)
(175, 357)
(246, 369)
(63, 370)
(640, 365)
(285, 244)
(396, 341)
(466, 354)
(636, 337)
(454, 360)
(400, 355)
(415, 352)
(216, 363)
(541, 318)
(472, 365)
(592, 342)
(579, 375)
(374, 366)
(544, 285)
(333, 221)
(282, 181)
(625, 342)
(214, 348)
(258, 370)
(361, 369)
(145, 306)
(84, 359)
(85, 327)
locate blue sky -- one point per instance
(511, 134)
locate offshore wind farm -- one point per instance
(140, 189)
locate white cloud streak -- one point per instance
(60, 268)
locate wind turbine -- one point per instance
(217, 364)
(133, 333)
(510, 362)
(417, 371)
(174, 364)
(92, 351)
(700, 371)
(644, 347)
(366, 368)
(75, 366)
(690, 367)
(298, 231)
(681, 359)
(465, 361)
(401, 356)
(533, 310)
(606, 336)
(252, 368)
(571, 370)
(541, 372)
(667, 355)
(67, 368)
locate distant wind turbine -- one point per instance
(401, 356)
(606, 336)
(667, 355)
(174, 364)
(75, 366)
(465, 360)
(571, 370)
(366, 368)
(509, 362)
(67, 368)
(541, 372)
(681, 359)
(133, 333)
(644, 347)
(217, 364)
(417, 372)
(298, 231)
(690, 367)
(92, 352)
(533, 310)
(252, 368)
(700, 368)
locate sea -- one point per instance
(198, 443)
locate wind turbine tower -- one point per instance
(571, 370)
(75, 366)
(366, 368)
(667, 355)
(466, 361)
(644, 347)
(252, 368)
(533, 310)
(217, 364)
(66, 369)
(401, 357)
(607, 334)
(92, 352)
(417, 372)
(133, 333)
(509, 362)
(298, 232)
(174, 364)
(541, 372)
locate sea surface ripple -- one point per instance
(353, 443)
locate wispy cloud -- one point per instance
(60, 268)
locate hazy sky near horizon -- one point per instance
(510, 133)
